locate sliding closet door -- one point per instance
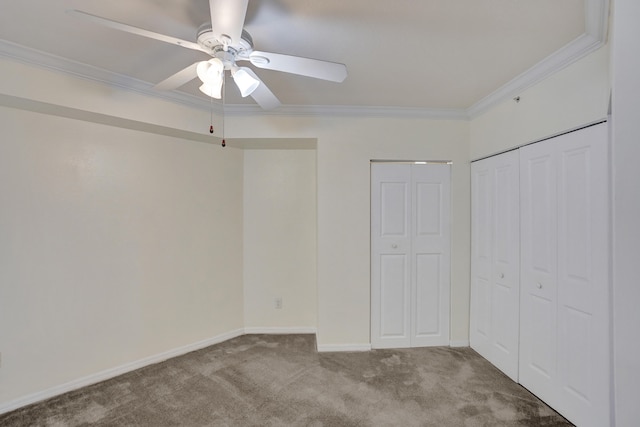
(564, 353)
(495, 258)
(410, 254)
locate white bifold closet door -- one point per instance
(564, 286)
(495, 260)
(410, 254)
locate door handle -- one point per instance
(394, 246)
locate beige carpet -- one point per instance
(280, 380)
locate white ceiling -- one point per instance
(425, 54)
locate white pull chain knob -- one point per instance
(394, 246)
(539, 285)
(502, 275)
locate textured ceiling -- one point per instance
(440, 54)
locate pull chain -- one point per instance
(211, 116)
(224, 90)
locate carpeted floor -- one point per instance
(280, 380)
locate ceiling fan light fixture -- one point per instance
(210, 72)
(212, 90)
(245, 81)
(228, 43)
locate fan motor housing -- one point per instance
(209, 41)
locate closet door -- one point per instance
(564, 353)
(410, 254)
(495, 261)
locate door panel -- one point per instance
(539, 197)
(575, 229)
(393, 288)
(427, 312)
(577, 377)
(482, 317)
(394, 209)
(502, 333)
(540, 342)
(428, 209)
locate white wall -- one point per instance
(574, 96)
(344, 149)
(115, 246)
(626, 210)
(280, 240)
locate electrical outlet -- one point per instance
(278, 303)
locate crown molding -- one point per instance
(45, 60)
(596, 28)
(595, 36)
(349, 111)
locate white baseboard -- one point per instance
(114, 372)
(367, 347)
(279, 330)
(128, 367)
(343, 347)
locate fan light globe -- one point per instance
(211, 74)
(245, 81)
(212, 90)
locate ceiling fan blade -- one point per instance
(227, 19)
(135, 30)
(316, 68)
(262, 94)
(179, 78)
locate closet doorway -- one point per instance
(410, 253)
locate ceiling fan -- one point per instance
(227, 42)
